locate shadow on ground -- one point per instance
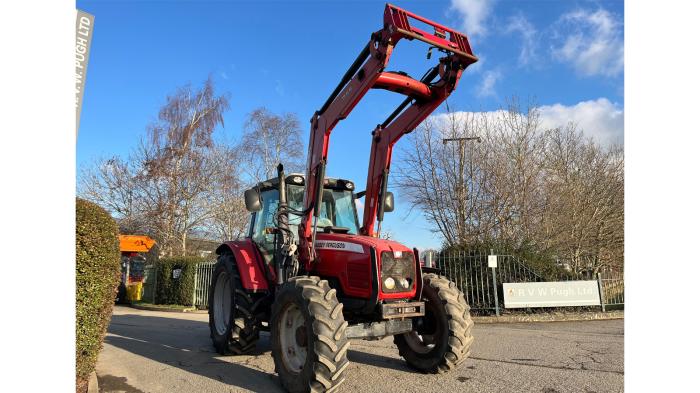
(185, 344)
(380, 361)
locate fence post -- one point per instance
(155, 281)
(128, 272)
(495, 286)
(602, 293)
(194, 293)
(495, 291)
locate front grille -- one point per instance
(398, 268)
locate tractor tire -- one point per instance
(233, 326)
(307, 331)
(443, 339)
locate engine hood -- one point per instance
(357, 262)
(347, 242)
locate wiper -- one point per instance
(335, 229)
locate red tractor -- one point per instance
(311, 274)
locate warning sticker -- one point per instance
(339, 246)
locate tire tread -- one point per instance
(329, 351)
(459, 325)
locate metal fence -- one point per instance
(202, 281)
(613, 290)
(468, 269)
(483, 286)
(149, 284)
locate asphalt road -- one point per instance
(147, 351)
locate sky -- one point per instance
(567, 56)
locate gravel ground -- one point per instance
(149, 351)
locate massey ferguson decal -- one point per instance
(339, 246)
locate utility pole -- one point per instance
(461, 140)
(460, 187)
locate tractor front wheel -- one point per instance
(442, 338)
(307, 331)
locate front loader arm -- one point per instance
(359, 78)
(367, 72)
(399, 123)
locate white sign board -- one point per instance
(176, 273)
(493, 260)
(551, 294)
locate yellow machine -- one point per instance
(133, 263)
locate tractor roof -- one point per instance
(299, 179)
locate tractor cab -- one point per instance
(338, 212)
(337, 215)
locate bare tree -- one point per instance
(268, 140)
(176, 162)
(585, 188)
(169, 184)
(230, 218)
(111, 183)
(521, 185)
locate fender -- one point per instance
(419, 275)
(249, 264)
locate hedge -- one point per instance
(176, 290)
(97, 274)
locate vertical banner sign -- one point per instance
(84, 23)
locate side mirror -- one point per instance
(252, 200)
(389, 202)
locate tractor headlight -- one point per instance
(398, 271)
(389, 283)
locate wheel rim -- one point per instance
(222, 303)
(424, 340)
(292, 334)
(420, 343)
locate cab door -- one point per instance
(262, 232)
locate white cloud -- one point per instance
(487, 87)
(474, 14)
(599, 119)
(519, 24)
(591, 41)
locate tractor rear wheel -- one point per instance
(307, 331)
(443, 336)
(232, 323)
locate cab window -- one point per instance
(265, 218)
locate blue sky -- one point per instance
(288, 57)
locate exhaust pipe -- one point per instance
(282, 227)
